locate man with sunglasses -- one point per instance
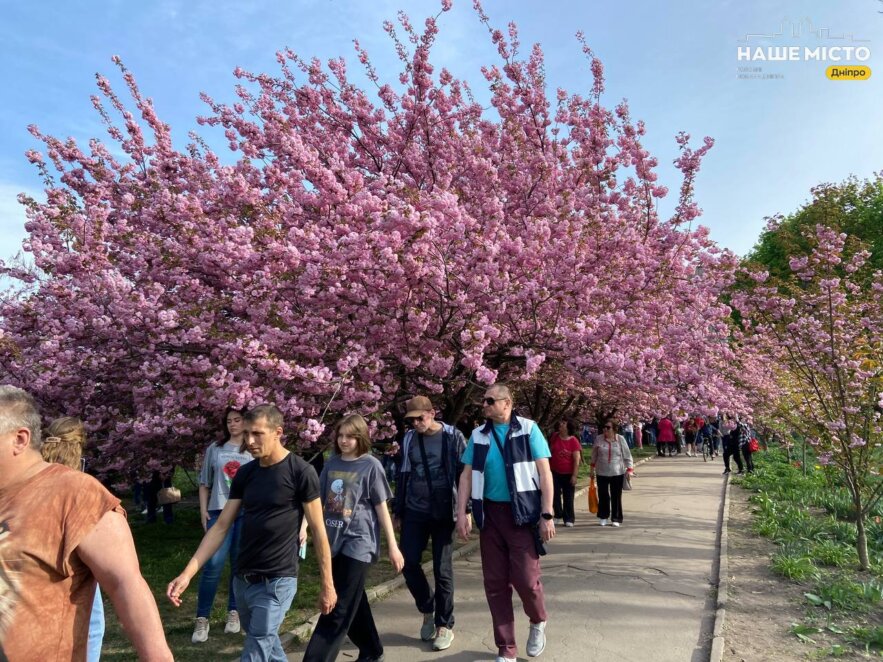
(426, 506)
(506, 472)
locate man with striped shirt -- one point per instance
(506, 472)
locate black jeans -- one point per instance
(416, 531)
(731, 451)
(749, 463)
(350, 617)
(563, 490)
(610, 497)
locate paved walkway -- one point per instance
(640, 593)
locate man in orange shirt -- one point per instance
(60, 531)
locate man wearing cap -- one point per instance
(426, 507)
(506, 472)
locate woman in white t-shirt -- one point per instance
(611, 461)
(222, 460)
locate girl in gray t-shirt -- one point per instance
(222, 460)
(354, 492)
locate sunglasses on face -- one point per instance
(490, 401)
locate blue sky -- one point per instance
(674, 61)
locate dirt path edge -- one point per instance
(723, 574)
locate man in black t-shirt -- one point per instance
(275, 493)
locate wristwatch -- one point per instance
(546, 516)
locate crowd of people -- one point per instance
(259, 503)
(724, 434)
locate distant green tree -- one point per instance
(854, 207)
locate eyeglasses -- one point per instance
(410, 420)
(490, 401)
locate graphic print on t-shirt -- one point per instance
(436, 471)
(340, 501)
(230, 463)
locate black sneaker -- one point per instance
(370, 659)
(725, 472)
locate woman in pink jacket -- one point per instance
(666, 438)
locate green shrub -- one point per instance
(797, 567)
(869, 637)
(840, 530)
(846, 594)
(832, 553)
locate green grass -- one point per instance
(808, 517)
(796, 567)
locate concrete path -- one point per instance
(643, 592)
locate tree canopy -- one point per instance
(360, 246)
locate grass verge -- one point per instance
(807, 514)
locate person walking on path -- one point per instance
(61, 531)
(565, 461)
(220, 465)
(506, 472)
(611, 461)
(731, 449)
(689, 432)
(158, 481)
(354, 494)
(744, 434)
(426, 507)
(666, 439)
(274, 492)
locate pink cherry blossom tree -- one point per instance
(360, 246)
(823, 334)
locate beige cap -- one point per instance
(417, 406)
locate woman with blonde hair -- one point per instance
(63, 443)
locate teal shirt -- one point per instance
(495, 486)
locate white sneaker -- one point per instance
(536, 640)
(568, 524)
(232, 626)
(500, 658)
(200, 632)
(603, 522)
(617, 524)
(558, 521)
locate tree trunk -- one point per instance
(861, 542)
(803, 463)
(458, 403)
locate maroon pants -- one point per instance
(509, 560)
